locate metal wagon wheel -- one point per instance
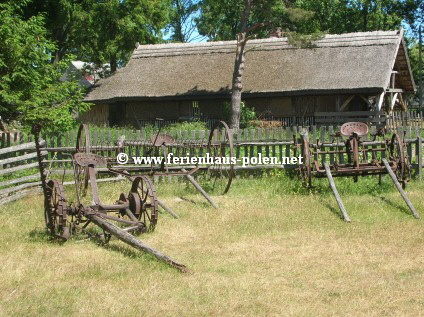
(56, 210)
(305, 168)
(143, 201)
(221, 172)
(399, 155)
(83, 145)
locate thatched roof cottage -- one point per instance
(343, 73)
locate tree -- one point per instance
(100, 31)
(237, 85)
(110, 29)
(62, 20)
(220, 21)
(341, 16)
(30, 89)
(182, 21)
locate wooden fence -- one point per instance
(18, 161)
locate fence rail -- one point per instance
(18, 162)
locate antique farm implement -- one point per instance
(214, 155)
(132, 214)
(350, 156)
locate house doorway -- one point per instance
(117, 114)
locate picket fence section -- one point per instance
(18, 162)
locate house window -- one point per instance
(194, 110)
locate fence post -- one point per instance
(420, 156)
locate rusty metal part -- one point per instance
(398, 154)
(144, 204)
(81, 173)
(86, 159)
(220, 173)
(135, 213)
(162, 139)
(305, 168)
(357, 158)
(36, 132)
(350, 128)
(83, 143)
(57, 211)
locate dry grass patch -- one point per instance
(265, 252)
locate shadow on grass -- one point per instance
(335, 211)
(42, 235)
(202, 204)
(402, 208)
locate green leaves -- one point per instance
(30, 89)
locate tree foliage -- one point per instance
(182, 20)
(30, 89)
(113, 27)
(101, 31)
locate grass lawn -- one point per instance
(272, 249)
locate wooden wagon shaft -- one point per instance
(200, 189)
(336, 193)
(134, 242)
(400, 189)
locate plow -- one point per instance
(354, 157)
(135, 212)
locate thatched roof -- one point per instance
(354, 62)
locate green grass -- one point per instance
(272, 249)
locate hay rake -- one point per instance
(132, 214)
(354, 157)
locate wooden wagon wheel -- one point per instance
(305, 168)
(83, 145)
(398, 154)
(219, 173)
(143, 201)
(56, 210)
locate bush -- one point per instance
(247, 114)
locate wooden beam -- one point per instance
(346, 103)
(380, 99)
(420, 157)
(20, 180)
(134, 242)
(21, 147)
(395, 90)
(336, 193)
(400, 189)
(9, 190)
(21, 158)
(18, 168)
(200, 189)
(366, 100)
(393, 101)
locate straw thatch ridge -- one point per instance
(354, 62)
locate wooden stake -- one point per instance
(336, 193)
(400, 189)
(134, 242)
(199, 188)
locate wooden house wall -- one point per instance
(97, 115)
(127, 113)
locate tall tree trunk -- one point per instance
(113, 64)
(237, 85)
